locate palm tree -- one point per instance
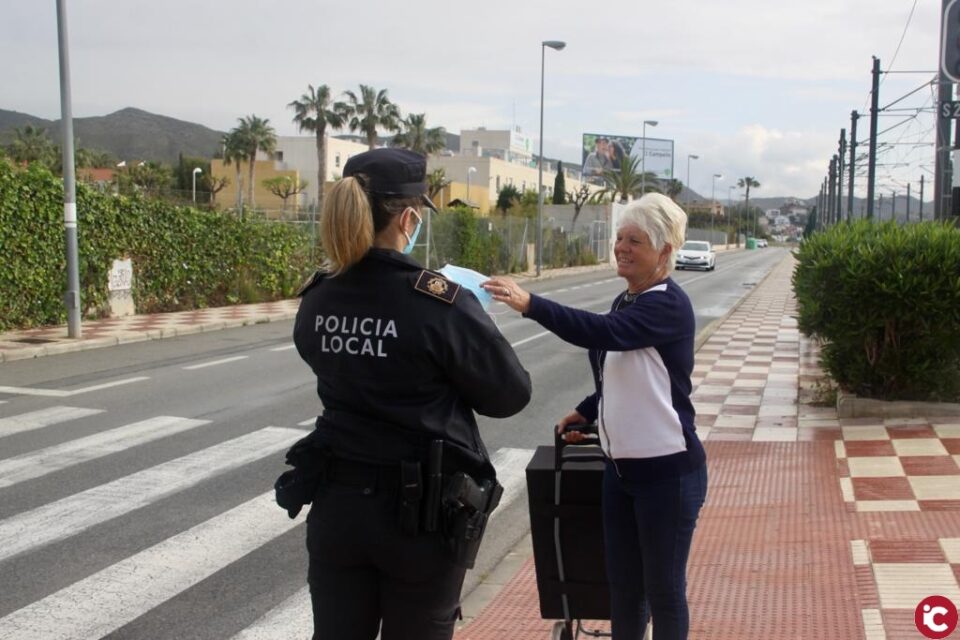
(258, 136)
(371, 110)
(417, 137)
(315, 111)
(437, 181)
(746, 183)
(627, 180)
(674, 188)
(235, 153)
(31, 144)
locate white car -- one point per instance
(696, 254)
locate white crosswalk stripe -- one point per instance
(71, 515)
(95, 604)
(44, 461)
(292, 619)
(105, 601)
(42, 418)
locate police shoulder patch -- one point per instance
(311, 282)
(436, 286)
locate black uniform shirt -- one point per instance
(403, 356)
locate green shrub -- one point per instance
(886, 301)
(183, 258)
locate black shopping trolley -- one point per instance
(566, 525)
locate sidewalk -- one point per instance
(814, 528)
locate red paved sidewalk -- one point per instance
(814, 527)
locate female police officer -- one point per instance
(403, 358)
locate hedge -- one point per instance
(183, 258)
(885, 300)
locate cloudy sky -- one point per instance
(753, 87)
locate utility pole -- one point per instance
(880, 209)
(854, 116)
(941, 169)
(893, 207)
(841, 161)
(832, 189)
(72, 295)
(874, 113)
(921, 196)
(908, 203)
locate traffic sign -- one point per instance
(950, 109)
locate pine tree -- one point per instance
(559, 186)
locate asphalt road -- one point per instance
(140, 508)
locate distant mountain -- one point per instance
(130, 133)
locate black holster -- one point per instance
(296, 487)
(466, 507)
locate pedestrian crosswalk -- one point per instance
(120, 585)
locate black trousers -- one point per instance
(365, 573)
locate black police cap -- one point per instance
(391, 172)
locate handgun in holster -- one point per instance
(468, 505)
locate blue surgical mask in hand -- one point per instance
(469, 279)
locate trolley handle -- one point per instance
(592, 440)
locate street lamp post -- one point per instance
(713, 202)
(469, 171)
(730, 208)
(689, 158)
(556, 45)
(643, 156)
(196, 170)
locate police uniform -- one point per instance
(403, 357)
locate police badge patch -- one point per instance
(436, 286)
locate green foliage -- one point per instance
(183, 258)
(886, 301)
(811, 227)
(560, 186)
(509, 196)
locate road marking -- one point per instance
(307, 422)
(61, 456)
(293, 618)
(530, 339)
(58, 393)
(214, 363)
(42, 418)
(289, 346)
(107, 600)
(75, 513)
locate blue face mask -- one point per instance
(471, 280)
(412, 240)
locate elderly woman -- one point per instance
(655, 479)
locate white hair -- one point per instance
(661, 219)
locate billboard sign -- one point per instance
(604, 151)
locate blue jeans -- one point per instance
(648, 527)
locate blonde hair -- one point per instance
(661, 219)
(346, 225)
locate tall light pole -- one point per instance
(713, 202)
(72, 295)
(643, 156)
(196, 170)
(730, 210)
(689, 158)
(556, 45)
(469, 171)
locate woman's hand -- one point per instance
(508, 292)
(571, 419)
